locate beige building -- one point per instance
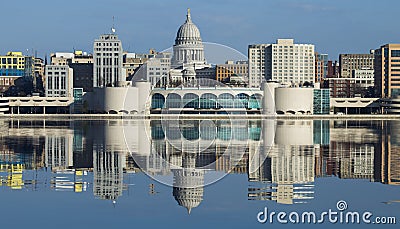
(230, 68)
(39, 67)
(66, 58)
(387, 71)
(350, 62)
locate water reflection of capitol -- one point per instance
(281, 158)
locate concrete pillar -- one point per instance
(269, 98)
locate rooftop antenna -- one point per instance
(113, 27)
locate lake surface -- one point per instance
(196, 173)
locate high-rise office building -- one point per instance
(387, 71)
(350, 62)
(287, 62)
(284, 62)
(256, 68)
(107, 55)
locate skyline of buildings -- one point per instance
(116, 73)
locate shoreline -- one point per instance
(192, 116)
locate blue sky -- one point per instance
(339, 26)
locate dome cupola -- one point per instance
(188, 33)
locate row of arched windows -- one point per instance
(206, 101)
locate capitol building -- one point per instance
(188, 55)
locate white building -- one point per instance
(284, 62)
(364, 77)
(154, 68)
(59, 81)
(107, 55)
(256, 67)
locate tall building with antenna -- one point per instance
(107, 56)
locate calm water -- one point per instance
(195, 174)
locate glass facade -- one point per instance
(321, 101)
(78, 100)
(321, 132)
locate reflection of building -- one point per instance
(188, 182)
(109, 160)
(59, 151)
(108, 174)
(387, 154)
(288, 170)
(190, 148)
(14, 178)
(351, 154)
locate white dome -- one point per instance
(188, 33)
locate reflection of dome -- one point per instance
(188, 183)
(188, 33)
(188, 198)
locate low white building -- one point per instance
(126, 99)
